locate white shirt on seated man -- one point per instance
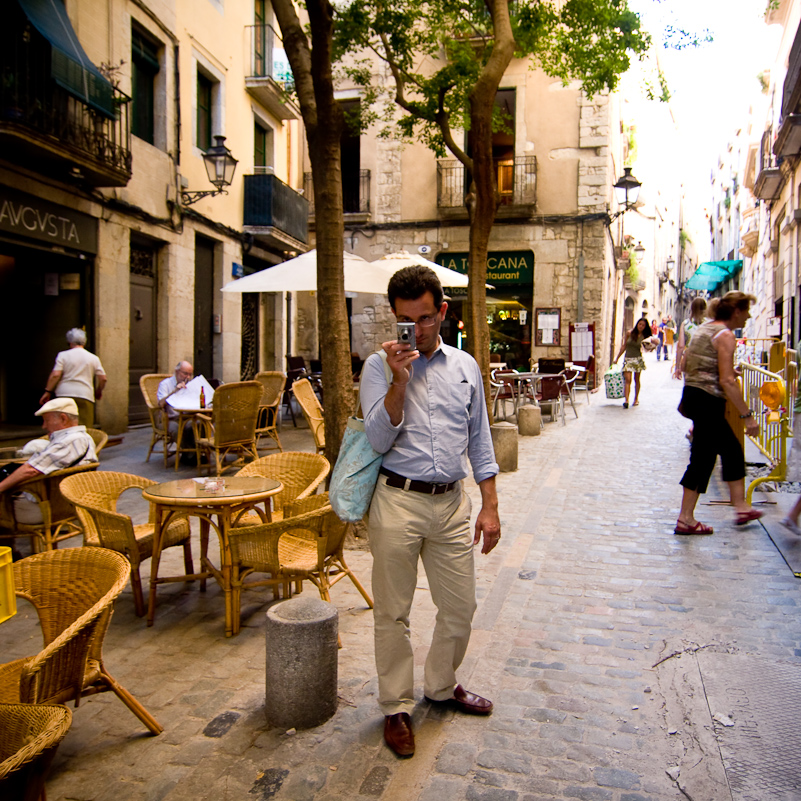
(69, 446)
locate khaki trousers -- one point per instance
(404, 526)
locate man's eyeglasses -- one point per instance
(424, 322)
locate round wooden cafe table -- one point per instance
(189, 497)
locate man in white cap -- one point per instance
(69, 446)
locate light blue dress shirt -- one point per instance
(444, 419)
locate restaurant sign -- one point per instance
(504, 267)
(26, 215)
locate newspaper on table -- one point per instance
(189, 396)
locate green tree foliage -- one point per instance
(447, 59)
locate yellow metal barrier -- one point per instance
(754, 351)
(774, 425)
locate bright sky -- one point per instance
(713, 85)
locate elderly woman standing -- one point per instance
(77, 374)
(709, 379)
(634, 362)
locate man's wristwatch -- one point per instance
(746, 416)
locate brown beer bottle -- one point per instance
(202, 398)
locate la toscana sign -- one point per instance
(25, 215)
(503, 266)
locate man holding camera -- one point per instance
(427, 422)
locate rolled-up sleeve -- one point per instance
(480, 450)
(372, 391)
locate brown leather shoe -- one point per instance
(398, 734)
(465, 701)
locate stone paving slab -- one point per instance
(590, 615)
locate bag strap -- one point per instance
(387, 372)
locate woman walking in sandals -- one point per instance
(634, 362)
(709, 379)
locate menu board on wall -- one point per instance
(548, 326)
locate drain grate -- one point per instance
(761, 752)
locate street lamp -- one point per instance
(627, 190)
(220, 167)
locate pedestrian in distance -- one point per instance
(709, 379)
(660, 333)
(696, 318)
(427, 422)
(77, 374)
(634, 363)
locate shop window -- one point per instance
(144, 71)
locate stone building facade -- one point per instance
(114, 160)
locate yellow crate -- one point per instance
(8, 601)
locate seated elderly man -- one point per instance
(69, 446)
(168, 387)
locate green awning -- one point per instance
(711, 274)
(70, 67)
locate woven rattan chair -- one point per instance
(95, 497)
(29, 737)
(312, 410)
(149, 385)
(232, 425)
(73, 591)
(299, 472)
(308, 543)
(59, 519)
(272, 383)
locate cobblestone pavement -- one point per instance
(590, 615)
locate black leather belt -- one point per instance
(401, 482)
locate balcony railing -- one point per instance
(355, 191)
(769, 179)
(271, 204)
(268, 58)
(269, 77)
(517, 182)
(45, 127)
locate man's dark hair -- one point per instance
(413, 282)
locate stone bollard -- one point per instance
(529, 421)
(302, 659)
(504, 440)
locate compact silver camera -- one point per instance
(406, 335)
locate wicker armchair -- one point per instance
(149, 385)
(95, 497)
(312, 411)
(300, 473)
(232, 425)
(307, 544)
(59, 519)
(73, 591)
(272, 383)
(29, 737)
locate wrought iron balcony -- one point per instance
(59, 115)
(45, 128)
(769, 178)
(270, 78)
(274, 212)
(517, 185)
(355, 191)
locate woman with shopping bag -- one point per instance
(634, 362)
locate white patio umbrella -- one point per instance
(300, 275)
(402, 258)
